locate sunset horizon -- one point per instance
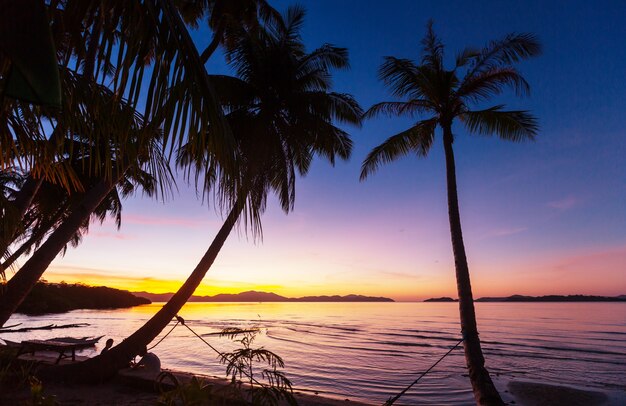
(252, 202)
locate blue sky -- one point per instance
(538, 218)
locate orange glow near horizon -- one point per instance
(537, 276)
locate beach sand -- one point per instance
(540, 394)
(130, 389)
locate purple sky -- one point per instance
(539, 218)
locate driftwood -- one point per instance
(11, 326)
(48, 327)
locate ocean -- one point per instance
(371, 351)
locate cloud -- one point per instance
(502, 232)
(399, 275)
(116, 236)
(135, 282)
(564, 204)
(165, 221)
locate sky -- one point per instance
(543, 217)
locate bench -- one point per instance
(64, 349)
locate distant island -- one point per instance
(61, 297)
(548, 298)
(441, 299)
(254, 296)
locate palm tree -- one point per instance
(106, 49)
(281, 111)
(129, 156)
(53, 204)
(445, 97)
(226, 18)
(141, 51)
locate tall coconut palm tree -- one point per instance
(281, 111)
(446, 97)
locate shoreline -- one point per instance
(534, 393)
(128, 389)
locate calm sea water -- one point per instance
(370, 351)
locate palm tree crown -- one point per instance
(445, 95)
(281, 111)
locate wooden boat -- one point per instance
(82, 342)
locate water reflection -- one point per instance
(369, 350)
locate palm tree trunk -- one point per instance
(206, 54)
(23, 281)
(484, 390)
(106, 365)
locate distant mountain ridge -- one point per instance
(254, 296)
(547, 298)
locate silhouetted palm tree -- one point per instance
(445, 97)
(226, 18)
(281, 112)
(111, 49)
(141, 50)
(53, 204)
(130, 156)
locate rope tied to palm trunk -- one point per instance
(181, 321)
(165, 336)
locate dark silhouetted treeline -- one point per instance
(62, 297)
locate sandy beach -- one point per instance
(128, 389)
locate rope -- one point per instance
(163, 338)
(224, 357)
(182, 321)
(391, 401)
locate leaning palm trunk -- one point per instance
(484, 390)
(106, 365)
(18, 287)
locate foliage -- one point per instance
(14, 373)
(195, 392)
(282, 113)
(441, 96)
(62, 297)
(38, 398)
(267, 387)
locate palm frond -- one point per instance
(465, 57)
(508, 125)
(325, 58)
(417, 139)
(400, 76)
(492, 83)
(511, 49)
(432, 51)
(409, 108)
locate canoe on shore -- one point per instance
(82, 342)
